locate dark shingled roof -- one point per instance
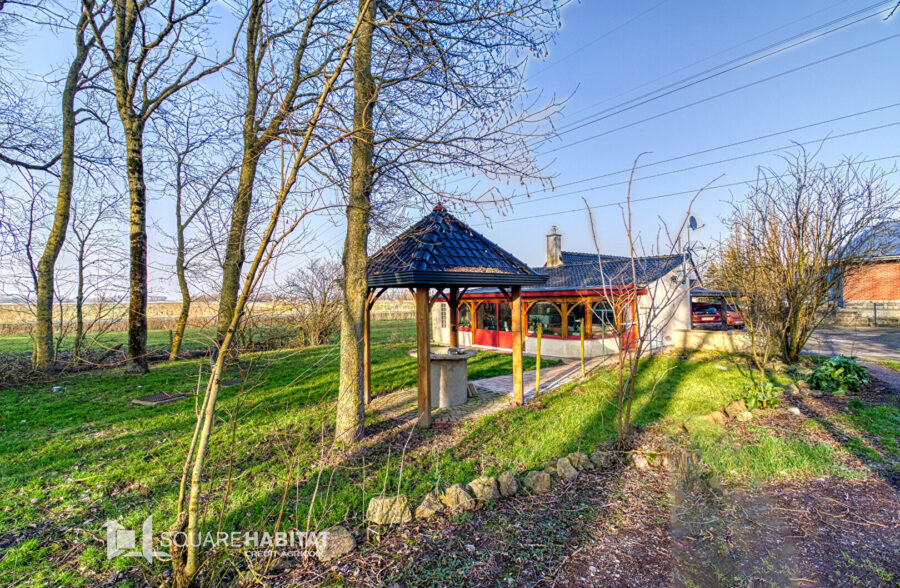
(572, 257)
(616, 272)
(441, 250)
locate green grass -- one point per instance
(193, 338)
(85, 454)
(895, 365)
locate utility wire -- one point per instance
(727, 92)
(746, 59)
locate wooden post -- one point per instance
(367, 352)
(423, 357)
(582, 346)
(564, 311)
(537, 362)
(517, 344)
(454, 317)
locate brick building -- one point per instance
(870, 294)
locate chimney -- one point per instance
(554, 248)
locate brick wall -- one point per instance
(873, 282)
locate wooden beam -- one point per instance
(506, 294)
(454, 317)
(517, 344)
(423, 357)
(367, 355)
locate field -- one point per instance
(72, 459)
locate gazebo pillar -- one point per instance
(367, 351)
(423, 356)
(454, 317)
(517, 340)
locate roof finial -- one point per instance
(439, 208)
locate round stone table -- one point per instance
(449, 375)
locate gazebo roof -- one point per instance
(441, 250)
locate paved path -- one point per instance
(551, 377)
(868, 343)
(492, 394)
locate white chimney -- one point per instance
(554, 248)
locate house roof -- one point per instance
(616, 271)
(573, 257)
(888, 239)
(441, 250)
(613, 272)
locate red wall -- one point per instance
(877, 281)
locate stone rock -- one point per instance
(579, 460)
(389, 510)
(744, 416)
(334, 542)
(457, 499)
(603, 458)
(565, 470)
(537, 482)
(431, 504)
(507, 483)
(802, 385)
(718, 417)
(484, 488)
(794, 411)
(639, 461)
(550, 468)
(735, 408)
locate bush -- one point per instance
(838, 375)
(766, 395)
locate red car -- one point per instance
(710, 314)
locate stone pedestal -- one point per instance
(449, 375)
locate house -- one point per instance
(580, 291)
(870, 293)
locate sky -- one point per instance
(611, 56)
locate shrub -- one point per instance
(839, 374)
(765, 395)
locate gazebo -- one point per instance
(441, 252)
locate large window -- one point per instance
(548, 316)
(603, 323)
(486, 316)
(505, 316)
(465, 317)
(576, 317)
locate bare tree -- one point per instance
(154, 51)
(297, 152)
(196, 168)
(315, 293)
(794, 237)
(644, 294)
(437, 94)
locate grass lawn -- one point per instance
(895, 365)
(70, 460)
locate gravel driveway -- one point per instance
(868, 343)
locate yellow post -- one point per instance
(582, 348)
(537, 374)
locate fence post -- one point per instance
(875, 314)
(537, 373)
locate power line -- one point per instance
(710, 150)
(702, 165)
(705, 59)
(727, 92)
(667, 195)
(750, 58)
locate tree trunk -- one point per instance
(179, 272)
(235, 247)
(43, 334)
(350, 408)
(137, 305)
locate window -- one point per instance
(443, 315)
(603, 321)
(465, 317)
(576, 317)
(505, 321)
(486, 316)
(548, 316)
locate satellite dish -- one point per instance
(692, 222)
